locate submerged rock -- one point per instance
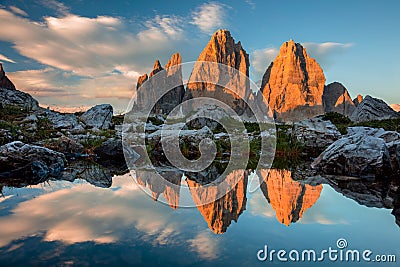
(360, 153)
(30, 161)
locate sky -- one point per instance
(80, 53)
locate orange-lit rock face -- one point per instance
(289, 198)
(220, 213)
(233, 86)
(293, 84)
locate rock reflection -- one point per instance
(289, 198)
(158, 186)
(220, 213)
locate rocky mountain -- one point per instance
(289, 198)
(4, 81)
(219, 82)
(293, 84)
(166, 87)
(336, 98)
(395, 107)
(373, 109)
(357, 100)
(220, 213)
(10, 96)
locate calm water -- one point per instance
(76, 223)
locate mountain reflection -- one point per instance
(220, 213)
(170, 187)
(289, 198)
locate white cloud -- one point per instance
(18, 11)
(4, 58)
(54, 87)
(84, 221)
(209, 17)
(324, 53)
(205, 245)
(251, 4)
(88, 58)
(262, 58)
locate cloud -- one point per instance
(57, 6)
(83, 221)
(205, 245)
(262, 58)
(209, 17)
(18, 11)
(92, 58)
(251, 4)
(4, 58)
(324, 53)
(55, 87)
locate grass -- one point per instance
(342, 123)
(118, 119)
(10, 113)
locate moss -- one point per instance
(11, 113)
(388, 125)
(342, 123)
(118, 119)
(156, 121)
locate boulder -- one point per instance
(16, 98)
(30, 161)
(99, 117)
(111, 148)
(356, 154)
(316, 133)
(61, 121)
(373, 109)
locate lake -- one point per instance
(66, 223)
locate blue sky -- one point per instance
(81, 53)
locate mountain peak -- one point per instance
(4, 81)
(157, 67)
(293, 84)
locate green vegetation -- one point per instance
(10, 113)
(286, 146)
(388, 125)
(155, 121)
(44, 130)
(342, 123)
(118, 119)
